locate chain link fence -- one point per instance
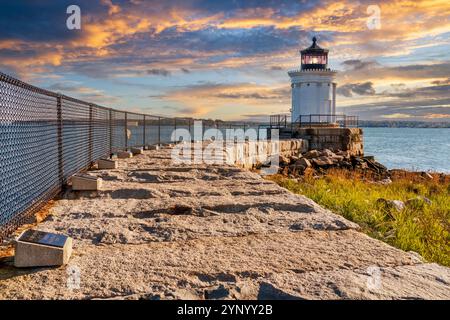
(46, 137)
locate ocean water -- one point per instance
(420, 149)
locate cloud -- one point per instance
(438, 91)
(407, 73)
(356, 64)
(440, 82)
(77, 90)
(158, 72)
(241, 42)
(276, 68)
(396, 116)
(440, 116)
(363, 89)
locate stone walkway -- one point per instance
(159, 231)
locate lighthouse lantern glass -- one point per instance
(314, 59)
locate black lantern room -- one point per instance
(314, 57)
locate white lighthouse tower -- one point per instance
(313, 87)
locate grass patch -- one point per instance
(421, 226)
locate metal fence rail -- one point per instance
(343, 120)
(46, 137)
(314, 120)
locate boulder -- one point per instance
(312, 154)
(284, 160)
(417, 202)
(297, 167)
(327, 160)
(426, 175)
(303, 162)
(385, 182)
(337, 158)
(327, 153)
(322, 162)
(391, 204)
(345, 154)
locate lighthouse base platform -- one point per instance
(328, 137)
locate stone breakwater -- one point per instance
(162, 231)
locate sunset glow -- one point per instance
(229, 60)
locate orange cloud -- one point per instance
(437, 116)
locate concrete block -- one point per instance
(137, 151)
(84, 182)
(124, 154)
(103, 164)
(153, 147)
(42, 249)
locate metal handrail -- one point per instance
(311, 120)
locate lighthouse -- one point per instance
(313, 87)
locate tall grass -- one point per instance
(421, 226)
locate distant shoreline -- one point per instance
(402, 124)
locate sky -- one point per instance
(229, 59)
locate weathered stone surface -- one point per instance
(104, 164)
(327, 153)
(238, 237)
(312, 154)
(29, 254)
(418, 202)
(303, 162)
(124, 154)
(137, 151)
(322, 162)
(84, 182)
(394, 204)
(348, 139)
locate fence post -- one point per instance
(159, 130)
(91, 138)
(174, 128)
(144, 133)
(189, 126)
(126, 131)
(110, 133)
(292, 129)
(60, 140)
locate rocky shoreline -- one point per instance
(318, 162)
